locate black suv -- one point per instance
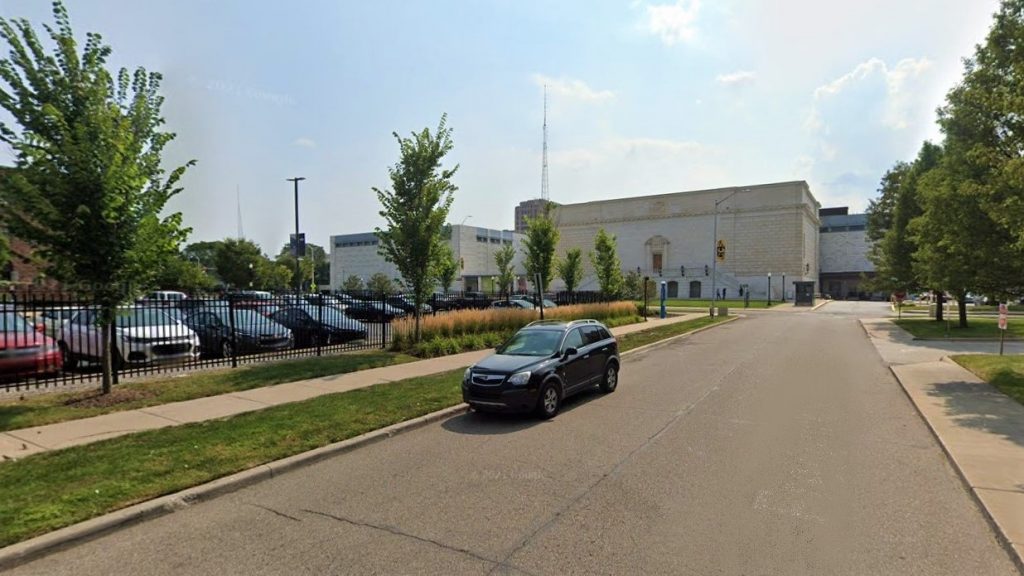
(543, 364)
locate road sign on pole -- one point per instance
(1002, 325)
(720, 250)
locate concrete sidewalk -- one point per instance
(26, 441)
(980, 428)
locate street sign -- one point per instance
(1002, 316)
(720, 250)
(298, 246)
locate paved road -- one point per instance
(779, 444)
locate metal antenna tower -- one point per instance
(238, 202)
(544, 162)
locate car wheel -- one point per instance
(227, 350)
(549, 401)
(611, 379)
(68, 360)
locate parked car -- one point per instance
(142, 336)
(442, 302)
(542, 365)
(324, 325)
(24, 349)
(165, 296)
(370, 311)
(53, 319)
(406, 304)
(533, 300)
(514, 303)
(252, 332)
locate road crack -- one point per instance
(396, 532)
(272, 511)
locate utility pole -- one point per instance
(295, 242)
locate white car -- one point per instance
(142, 336)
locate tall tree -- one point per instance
(380, 283)
(446, 268)
(352, 284)
(506, 269)
(88, 188)
(180, 273)
(416, 208)
(239, 263)
(204, 253)
(570, 269)
(605, 259)
(5, 249)
(539, 248)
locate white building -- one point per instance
(844, 253)
(474, 248)
(770, 233)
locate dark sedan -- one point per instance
(323, 325)
(370, 311)
(253, 332)
(543, 364)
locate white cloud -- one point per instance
(673, 23)
(899, 93)
(304, 142)
(572, 88)
(735, 78)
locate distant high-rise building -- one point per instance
(529, 209)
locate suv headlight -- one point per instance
(519, 378)
(467, 374)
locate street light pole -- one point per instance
(714, 255)
(295, 246)
(769, 289)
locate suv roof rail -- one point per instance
(567, 323)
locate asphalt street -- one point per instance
(777, 444)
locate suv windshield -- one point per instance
(532, 343)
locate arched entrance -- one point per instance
(695, 289)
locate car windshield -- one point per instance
(11, 322)
(140, 318)
(249, 319)
(532, 343)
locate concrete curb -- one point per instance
(1001, 536)
(68, 536)
(31, 549)
(668, 340)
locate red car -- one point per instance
(24, 349)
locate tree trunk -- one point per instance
(106, 355)
(938, 305)
(961, 303)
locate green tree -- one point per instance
(203, 252)
(180, 273)
(506, 269)
(446, 268)
(605, 259)
(88, 187)
(416, 208)
(352, 284)
(632, 285)
(270, 275)
(5, 249)
(314, 267)
(539, 248)
(380, 283)
(239, 263)
(570, 269)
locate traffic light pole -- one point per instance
(295, 242)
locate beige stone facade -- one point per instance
(766, 228)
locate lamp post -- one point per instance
(769, 289)
(783, 286)
(298, 274)
(714, 254)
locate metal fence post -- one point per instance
(234, 339)
(320, 325)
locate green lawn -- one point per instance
(705, 304)
(50, 408)
(976, 328)
(1004, 372)
(644, 337)
(47, 491)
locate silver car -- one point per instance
(142, 336)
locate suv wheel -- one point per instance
(611, 379)
(549, 401)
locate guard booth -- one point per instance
(804, 294)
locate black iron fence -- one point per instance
(54, 339)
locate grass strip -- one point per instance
(1004, 372)
(985, 328)
(644, 337)
(50, 408)
(47, 491)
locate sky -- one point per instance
(643, 97)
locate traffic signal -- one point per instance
(705, 269)
(682, 270)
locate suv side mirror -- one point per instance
(570, 351)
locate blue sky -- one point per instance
(644, 97)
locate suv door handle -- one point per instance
(586, 356)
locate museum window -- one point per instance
(657, 263)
